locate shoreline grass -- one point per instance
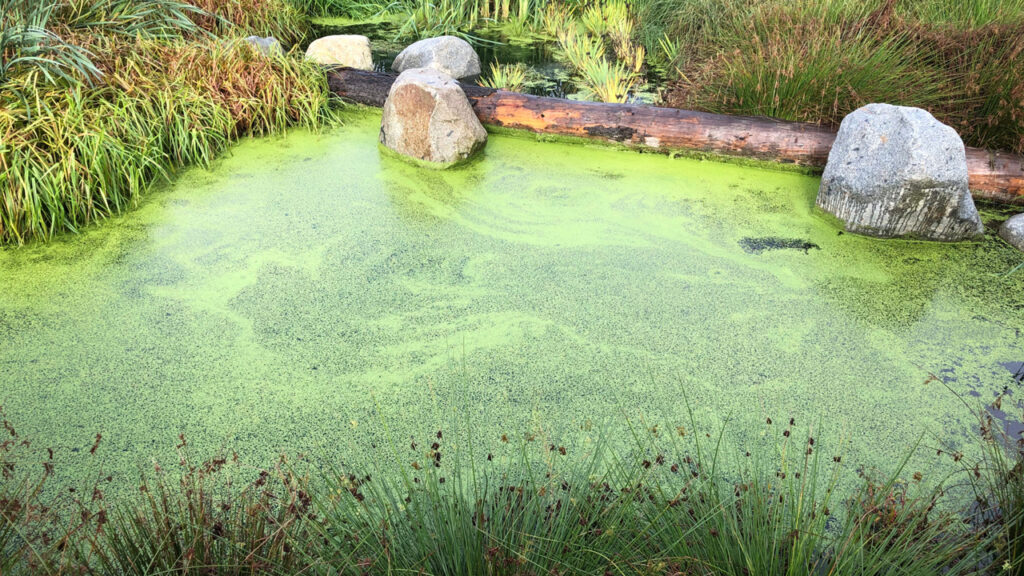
(100, 100)
(669, 503)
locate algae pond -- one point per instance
(309, 286)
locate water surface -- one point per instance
(276, 302)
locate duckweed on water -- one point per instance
(276, 302)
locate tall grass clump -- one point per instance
(997, 481)
(194, 521)
(817, 60)
(279, 18)
(680, 507)
(75, 156)
(101, 98)
(804, 68)
(965, 14)
(29, 48)
(29, 528)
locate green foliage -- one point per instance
(509, 77)
(28, 48)
(663, 502)
(100, 98)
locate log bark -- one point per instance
(994, 176)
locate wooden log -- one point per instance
(994, 176)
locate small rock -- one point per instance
(1013, 232)
(428, 117)
(350, 50)
(268, 46)
(449, 54)
(897, 171)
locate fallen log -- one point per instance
(994, 176)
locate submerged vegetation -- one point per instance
(100, 99)
(668, 502)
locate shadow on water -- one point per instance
(767, 243)
(1001, 410)
(1017, 369)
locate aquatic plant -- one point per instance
(606, 81)
(579, 48)
(599, 48)
(509, 77)
(556, 16)
(605, 16)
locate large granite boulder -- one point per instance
(428, 117)
(268, 46)
(349, 50)
(448, 54)
(1013, 231)
(897, 171)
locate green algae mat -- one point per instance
(311, 287)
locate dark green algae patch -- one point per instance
(309, 287)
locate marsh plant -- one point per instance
(599, 48)
(606, 81)
(100, 99)
(511, 77)
(658, 500)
